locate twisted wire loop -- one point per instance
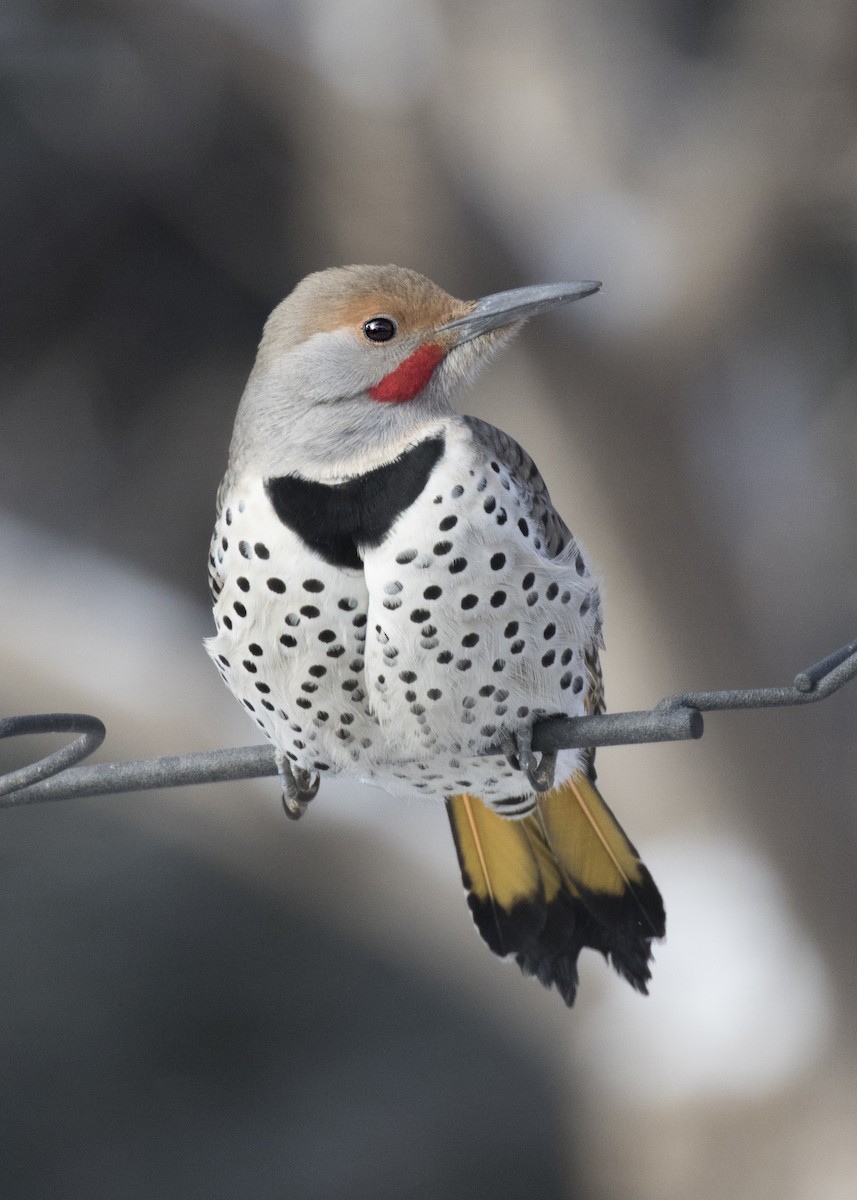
(92, 733)
(676, 718)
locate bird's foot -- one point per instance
(518, 748)
(298, 786)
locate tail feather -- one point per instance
(565, 876)
(504, 887)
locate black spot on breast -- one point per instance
(433, 592)
(313, 585)
(497, 599)
(457, 565)
(580, 565)
(547, 659)
(528, 581)
(498, 561)
(442, 547)
(327, 635)
(227, 621)
(261, 550)
(517, 647)
(419, 615)
(469, 601)
(511, 629)
(552, 591)
(445, 656)
(501, 517)
(457, 491)
(243, 583)
(470, 640)
(549, 631)
(276, 585)
(489, 504)
(244, 550)
(339, 520)
(524, 527)
(309, 610)
(256, 649)
(448, 523)
(240, 609)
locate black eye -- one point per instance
(379, 329)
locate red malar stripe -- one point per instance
(410, 376)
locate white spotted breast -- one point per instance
(290, 635)
(460, 623)
(474, 625)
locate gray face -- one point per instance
(359, 362)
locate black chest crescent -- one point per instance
(338, 520)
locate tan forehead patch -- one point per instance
(414, 302)
(346, 297)
(411, 314)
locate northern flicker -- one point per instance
(398, 601)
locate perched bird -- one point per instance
(397, 600)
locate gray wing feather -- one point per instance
(555, 534)
(504, 449)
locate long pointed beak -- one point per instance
(504, 308)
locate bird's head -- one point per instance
(358, 360)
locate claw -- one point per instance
(299, 787)
(518, 748)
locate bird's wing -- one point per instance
(556, 536)
(503, 449)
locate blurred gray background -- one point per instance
(199, 999)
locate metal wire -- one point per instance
(676, 718)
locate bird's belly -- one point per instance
(457, 631)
